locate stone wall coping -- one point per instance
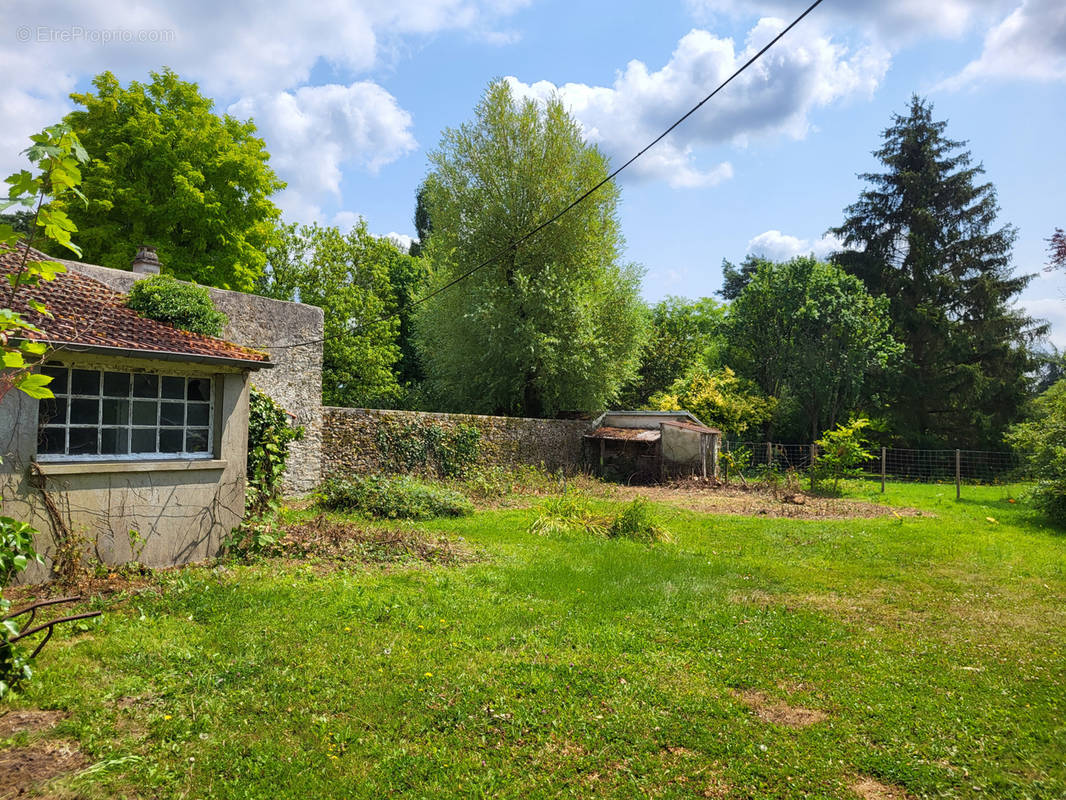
(453, 414)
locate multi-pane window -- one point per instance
(122, 415)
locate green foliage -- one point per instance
(735, 278)
(56, 155)
(922, 237)
(554, 324)
(637, 522)
(430, 449)
(681, 333)
(269, 436)
(183, 305)
(1041, 440)
(349, 277)
(398, 497)
(16, 553)
(733, 462)
(807, 330)
(572, 512)
(167, 170)
(718, 398)
(841, 452)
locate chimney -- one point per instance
(146, 262)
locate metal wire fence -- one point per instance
(889, 463)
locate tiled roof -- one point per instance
(86, 313)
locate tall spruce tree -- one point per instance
(923, 235)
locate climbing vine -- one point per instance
(430, 449)
(269, 435)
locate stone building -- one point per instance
(142, 452)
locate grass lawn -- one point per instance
(752, 657)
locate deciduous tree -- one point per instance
(806, 330)
(166, 170)
(555, 323)
(348, 277)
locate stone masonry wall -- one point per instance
(296, 378)
(349, 438)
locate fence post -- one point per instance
(769, 453)
(884, 451)
(958, 474)
(814, 453)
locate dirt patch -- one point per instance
(758, 501)
(348, 542)
(24, 767)
(779, 712)
(869, 789)
(30, 721)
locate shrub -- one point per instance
(183, 305)
(400, 497)
(841, 452)
(1042, 442)
(269, 435)
(637, 523)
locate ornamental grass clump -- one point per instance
(400, 497)
(572, 512)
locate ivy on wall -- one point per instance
(431, 449)
(269, 435)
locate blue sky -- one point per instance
(350, 96)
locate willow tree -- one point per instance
(924, 235)
(554, 323)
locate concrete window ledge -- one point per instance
(98, 467)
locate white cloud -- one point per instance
(235, 49)
(314, 131)
(776, 246)
(890, 22)
(1030, 43)
(774, 96)
(401, 240)
(1054, 311)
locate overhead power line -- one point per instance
(574, 203)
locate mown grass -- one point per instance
(578, 666)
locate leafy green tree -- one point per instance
(807, 330)
(167, 171)
(555, 323)
(923, 237)
(348, 277)
(736, 276)
(681, 333)
(423, 224)
(408, 278)
(1042, 441)
(719, 398)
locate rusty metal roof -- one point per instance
(626, 434)
(88, 314)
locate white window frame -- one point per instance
(66, 425)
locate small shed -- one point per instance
(651, 446)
